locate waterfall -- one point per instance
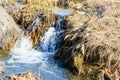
(52, 38)
(23, 42)
(24, 58)
(48, 40)
(23, 52)
(49, 44)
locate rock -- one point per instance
(8, 32)
(2, 65)
(24, 76)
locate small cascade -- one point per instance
(23, 52)
(23, 43)
(48, 41)
(23, 57)
(33, 26)
(52, 38)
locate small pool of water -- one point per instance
(19, 3)
(61, 12)
(48, 71)
(24, 58)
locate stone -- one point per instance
(8, 30)
(24, 76)
(2, 65)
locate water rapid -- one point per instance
(52, 38)
(24, 58)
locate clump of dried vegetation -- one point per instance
(93, 35)
(24, 76)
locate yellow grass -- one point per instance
(100, 35)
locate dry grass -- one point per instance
(25, 15)
(49, 3)
(24, 76)
(97, 27)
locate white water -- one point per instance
(23, 52)
(52, 38)
(24, 58)
(48, 40)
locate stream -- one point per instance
(24, 58)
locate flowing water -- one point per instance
(19, 3)
(61, 12)
(24, 58)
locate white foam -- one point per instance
(23, 43)
(23, 53)
(24, 58)
(48, 40)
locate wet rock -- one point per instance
(8, 32)
(2, 65)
